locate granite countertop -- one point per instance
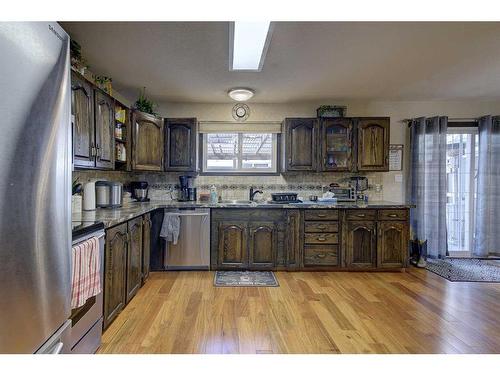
(111, 217)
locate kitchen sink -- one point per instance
(236, 201)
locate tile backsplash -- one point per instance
(163, 186)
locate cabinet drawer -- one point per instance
(321, 215)
(321, 255)
(392, 214)
(321, 238)
(361, 214)
(321, 226)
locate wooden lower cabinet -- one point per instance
(124, 266)
(392, 244)
(292, 243)
(309, 239)
(115, 272)
(262, 244)
(134, 259)
(361, 244)
(146, 246)
(232, 244)
(321, 255)
(250, 238)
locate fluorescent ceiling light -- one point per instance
(248, 44)
(240, 94)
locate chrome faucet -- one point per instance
(253, 192)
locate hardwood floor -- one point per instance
(314, 312)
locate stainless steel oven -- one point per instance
(86, 321)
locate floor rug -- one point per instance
(245, 278)
(457, 269)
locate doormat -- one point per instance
(245, 278)
(457, 269)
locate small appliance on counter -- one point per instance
(140, 191)
(187, 191)
(343, 194)
(359, 184)
(285, 198)
(109, 194)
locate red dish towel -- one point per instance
(86, 266)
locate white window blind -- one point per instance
(237, 127)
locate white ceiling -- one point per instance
(188, 61)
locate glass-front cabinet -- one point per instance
(336, 144)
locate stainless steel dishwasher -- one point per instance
(192, 251)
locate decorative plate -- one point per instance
(241, 112)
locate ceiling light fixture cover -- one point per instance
(248, 43)
(240, 94)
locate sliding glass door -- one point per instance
(461, 173)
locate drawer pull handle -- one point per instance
(321, 215)
(321, 239)
(360, 215)
(321, 226)
(321, 256)
(392, 215)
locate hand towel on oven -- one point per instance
(171, 227)
(86, 267)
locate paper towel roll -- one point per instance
(89, 196)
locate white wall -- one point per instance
(397, 111)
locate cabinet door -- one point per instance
(361, 250)
(373, 144)
(146, 246)
(105, 131)
(300, 144)
(392, 244)
(134, 261)
(115, 269)
(292, 235)
(147, 142)
(180, 148)
(232, 246)
(336, 144)
(262, 244)
(82, 110)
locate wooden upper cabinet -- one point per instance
(300, 144)
(232, 246)
(82, 110)
(115, 272)
(392, 244)
(105, 130)
(134, 258)
(373, 144)
(361, 244)
(262, 244)
(180, 147)
(147, 142)
(336, 144)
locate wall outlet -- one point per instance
(398, 178)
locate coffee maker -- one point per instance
(360, 184)
(187, 191)
(139, 191)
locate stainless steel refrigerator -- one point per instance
(35, 182)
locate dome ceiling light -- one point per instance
(240, 94)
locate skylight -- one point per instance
(248, 43)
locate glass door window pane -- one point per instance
(461, 176)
